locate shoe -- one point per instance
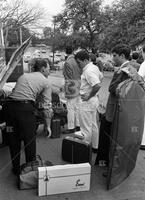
(77, 128)
(94, 150)
(69, 131)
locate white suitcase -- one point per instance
(63, 179)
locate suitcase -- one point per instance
(55, 128)
(76, 151)
(126, 131)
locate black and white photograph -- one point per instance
(72, 99)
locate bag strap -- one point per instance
(39, 158)
(36, 159)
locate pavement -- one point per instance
(133, 188)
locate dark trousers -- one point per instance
(20, 126)
(104, 141)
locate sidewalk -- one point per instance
(50, 149)
(133, 188)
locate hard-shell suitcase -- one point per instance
(76, 151)
(126, 131)
(55, 128)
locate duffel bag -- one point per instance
(28, 178)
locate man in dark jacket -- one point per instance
(126, 69)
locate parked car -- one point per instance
(57, 58)
(43, 51)
(37, 54)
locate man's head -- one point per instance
(143, 52)
(41, 65)
(82, 58)
(69, 50)
(121, 53)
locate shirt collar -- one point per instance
(38, 72)
(86, 66)
(123, 67)
(123, 64)
(70, 56)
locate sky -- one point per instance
(53, 7)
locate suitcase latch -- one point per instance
(46, 178)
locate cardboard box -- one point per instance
(63, 179)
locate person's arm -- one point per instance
(67, 71)
(117, 78)
(47, 101)
(44, 97)
(141, 70)
(92, 77)
(95, 89)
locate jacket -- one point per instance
(72, 76)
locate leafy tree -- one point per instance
(18, 14)
(126, 24)
(83, 17)
(55, 38)
(13, 38)
(48, 32)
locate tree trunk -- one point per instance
(2, 49)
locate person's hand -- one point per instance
(51, 113)
(85, 97)
(61, 89)
(133, 74)
(48, 134)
